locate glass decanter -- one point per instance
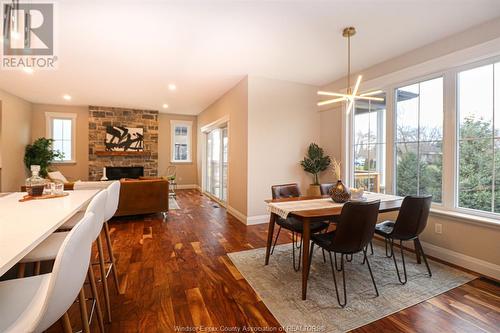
(35, 184)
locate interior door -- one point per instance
(217, 163)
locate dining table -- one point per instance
(25, 224)
(326, 210)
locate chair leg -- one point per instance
(402, 281)
(95, 295)
(364, 259)
(103, 277)
(335, 257)
(66, 323)
(293, 251)
(423, 256)
(111, 257)
(311, 250)
(335, 279)
(371, 247)
(324, 257)
(417, 251)
(348, 257)
(388, 255)
(83, 311)
(370, 269)
(276, 240)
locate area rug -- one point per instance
(279, 287)
(172, 203)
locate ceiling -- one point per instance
(125, 53)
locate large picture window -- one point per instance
(418, 139)
(369, 145)
(478, 98)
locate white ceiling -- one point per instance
(125, 53)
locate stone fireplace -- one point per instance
(100, 117)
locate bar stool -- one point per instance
(34, 303)
(48, 249)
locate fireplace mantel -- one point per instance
(123, 153)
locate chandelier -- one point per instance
(352, 94)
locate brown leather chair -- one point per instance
(144, 196)
(325, 188)
(411, 221)
(291, 223)
(352, 235)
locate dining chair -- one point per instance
(325, 188)
(34, 303)
(291, 223)
(353, 233)
(411, 221)
(48, 249)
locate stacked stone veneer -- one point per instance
(100, 117)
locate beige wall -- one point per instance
(187, 173)
(72, 171)
(282, 121)
(15, 135)
(233, 105)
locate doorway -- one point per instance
(216, 168)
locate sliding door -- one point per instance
(216, 163)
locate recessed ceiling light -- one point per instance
(28, 70)
(172, 87)
(67, 97)
(165, 106)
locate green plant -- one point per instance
(315, 162)
(41, 153)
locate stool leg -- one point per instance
(37, 268)
(20, 270)
(83, 311)
(66, 323)
(95, 295)
(111, 256)
(103, 277)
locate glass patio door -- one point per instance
(217, 163)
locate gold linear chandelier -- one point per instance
(352, 94)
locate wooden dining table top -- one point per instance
(385, 206)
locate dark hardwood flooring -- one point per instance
(176, 273)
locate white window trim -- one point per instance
(447, 67)
(49, 116)
(189, 125)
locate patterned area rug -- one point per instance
(280, 288)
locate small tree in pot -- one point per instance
(41, 153)
(315, 162)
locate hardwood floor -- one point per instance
(176, 273)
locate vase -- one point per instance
(314, 191)
(340, 193)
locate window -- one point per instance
(478, 146)
(61, 129)
(369, 145)
(419, 139)
(181, 140)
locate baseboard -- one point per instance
(188, 187)
(257, 219)
(237, 214)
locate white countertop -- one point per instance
(24, 225)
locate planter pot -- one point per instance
(340, 193)
(314, 190)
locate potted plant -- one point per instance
(315, 162)
(41, 153)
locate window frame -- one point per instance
(456, 71)
(189, 125)
(394, 142)
(49, 117)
